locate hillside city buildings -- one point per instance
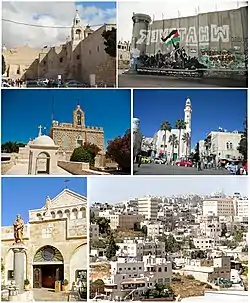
(203, 225)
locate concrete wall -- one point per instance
(204, 36)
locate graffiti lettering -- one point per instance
(190, 36)
(219, 33)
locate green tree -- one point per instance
(80, 154)
(180, 124)
(198, 254)
(97, 287)
(98, 243)
(112, 248)
(93, 149)
(174, 143)
(165, 126)
(186, 139)
(11, 147)
(171, 245)
(137, 226)
(242, 148)
(119, 150)
(238, 236)
(103, 223)
(110, 41)
(144, 230)
(223, 229)
(3, 65)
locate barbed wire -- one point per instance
(42, 26)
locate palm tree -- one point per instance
(165, 126)
(186, 139)
(174, 142)
(180, 124)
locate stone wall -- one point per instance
(78, 168)
(96, 61)
(6, 166)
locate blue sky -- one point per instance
(211, 109)
(24, 110)
(19, 195)
(47, 14)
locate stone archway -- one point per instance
(43, 163)
(48, 266)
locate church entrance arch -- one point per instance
(43, 163)
(47, 267)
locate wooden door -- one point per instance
(37, 277)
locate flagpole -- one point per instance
(163, 29)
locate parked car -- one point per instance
(186, 163)
(159, 161)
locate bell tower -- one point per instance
(77, 31)
(78, 118)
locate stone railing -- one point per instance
(78, 168)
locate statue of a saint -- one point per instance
(18, 229)
(48, 203)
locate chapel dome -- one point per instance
(44, 141)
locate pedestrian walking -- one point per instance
(139, 160)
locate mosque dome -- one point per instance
(43, 141)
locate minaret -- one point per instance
(77, 31)
(187, 119)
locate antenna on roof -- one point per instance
(66, 181)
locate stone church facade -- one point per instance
(56, 242)
(68, 136)
(83, 58)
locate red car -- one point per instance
(186, 163)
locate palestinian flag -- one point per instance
(172, 38)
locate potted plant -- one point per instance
(26, 284)
(65, 283)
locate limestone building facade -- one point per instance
(56, 241)
(123, 48)
(68, 136)
(81, 58)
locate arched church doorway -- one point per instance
(47, 267)
(43, 163)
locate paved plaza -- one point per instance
(45, 294)
(134, 80)
(160, 169)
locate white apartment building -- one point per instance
(132, 277)
(222, 144)
(210, 227)
(94, 231)
(209, 270)
(121, 221)
(218, 207)
(137, 248)
(203, 243)
(241, 207)
(148, 207)
(154, 230)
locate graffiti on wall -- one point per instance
(192, 36)
(222, 59)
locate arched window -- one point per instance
(59, 214)
(75, 213)
(79, 117)
(227, 145)
(79, 141)
(53, 215)
(78, 34)
(231, 145)
(67, 213)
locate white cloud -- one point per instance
(47, 14)
(170, 9)
(117, 189)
